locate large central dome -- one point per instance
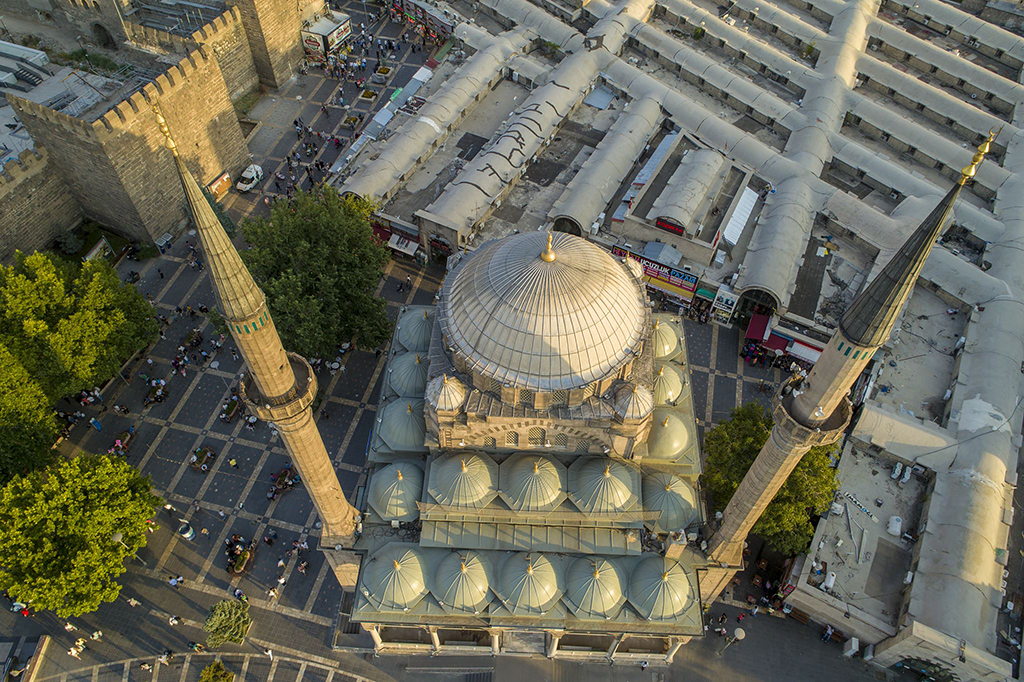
(518, 315)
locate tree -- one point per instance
(228, 621)
(319, 264)
(216, 672)
(27, 426)
(59, 526)
(71, 326)
(731, 448)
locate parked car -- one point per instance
(251, 177)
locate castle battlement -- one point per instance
(69, 123)
(26, 165)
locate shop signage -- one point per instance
(670, 227)
(671, 276)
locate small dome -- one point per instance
(673, 497)
(394, 491)
(408, 374)
(669, 435)
(659, 588)
(394, 578)
(415, 328)
(461, 583)
(665, 339)
(401, 425)
(463, 479)
(595, 587)
(633, 402)
(446, 393)
(668, 384)
(529, 584)
(603, 485)
(533, 483)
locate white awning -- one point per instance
(406, 246)
(803, 352)
(740, 215)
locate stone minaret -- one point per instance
(280, 386)
(817, 410)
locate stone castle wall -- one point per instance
(36, 205)
(273, 30)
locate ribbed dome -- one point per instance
(414, 329)
(633, 402)
(634, 267)
(668, 384)
(603, 485)
(673, 497)
(542, 324)
(529, 584)
(533, 483)
(394, 578)
(659, 588)
(408, 374)
(401, 425)
(463, 479)
(395, 489)
(669, 435)
(461, 583)
(595, 587)
(446, 393)
(665, 339)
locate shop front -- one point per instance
(432, 21)
(326, 36)
(665, 283)
(402, 238)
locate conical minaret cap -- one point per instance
(237, 292)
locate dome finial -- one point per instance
(969, 170)
(444, 378)
(665, 423)
(464, 467)
(398, 566)
(408, 406)
(400, 476)
(160, 121)
(548, 255)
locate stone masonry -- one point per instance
(36, 205)
(273, 30)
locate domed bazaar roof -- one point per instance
(533, 483)
(673, 497)
(446, 393)
(415, 328)
(602, 485)
(633, 402)
(463, 479)
(461, 582)
(668, 384)
(665, 339)
(543, 316)
(408, 374)
(401, 425)
(595, 587)
(395, 489)
(394, 578)
(669, 435)
(659, 588)
(529, 584)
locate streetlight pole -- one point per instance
(737, 636)
(119, 538)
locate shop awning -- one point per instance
(406, 246)
(803, 352)
(704, 293)
(758, 327)
(776, 342)
(670, 289)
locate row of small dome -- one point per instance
(533, 483)
(466, 582)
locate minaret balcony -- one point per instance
(287, 406)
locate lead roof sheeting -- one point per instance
(740, 215)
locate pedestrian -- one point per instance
(643, 665)
(133, 602)
(723, 619)
(234, 354)
(280, 580)
(269, 653)
(272, 593)
(69, 627)
(280, 563)
(233, 463)
(220, 512)
(75, 652)
(197, 505)
(739, 618)
(173, 582)
(173, 620)
(408, 282)
(146, 666)
(828, 633)
(303, 566)
(753, 611)
(97, 635)
(160, 272)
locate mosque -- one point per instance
(535, 465)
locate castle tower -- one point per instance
(816, 410)
(280, 386)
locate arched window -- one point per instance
(560, 397)
(559, 440)
(512, 439)
(582, 446)
(490, 442)
(536, 437)
(525, 397)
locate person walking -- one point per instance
(173, 620)
(269, 653)
(233, 463)
(160, 272)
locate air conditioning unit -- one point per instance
(894, 195)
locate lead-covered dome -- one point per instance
(408, 374)
(673, 497)
(543, 320)
(532, 482)
(414, 327)
(394, 578)
(668, 384)
(595, 587)
(394, 491)
(401, 425)
(461, 582)
(603, 485)
(445, 393)
(659, 588)
(463, 479)
(669, 435)
(529, 584)
(633, 402)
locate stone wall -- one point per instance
(272, 27)
(116, 167)
(36, 205)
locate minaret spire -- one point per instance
(817, 410)
(280, 386)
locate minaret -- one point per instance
(280, 387)
(817, 410)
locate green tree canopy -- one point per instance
(27, 426)
(216, 672)
(58, 526)
(731, 448)
(71, 326)
(228, 621)
(319, 264)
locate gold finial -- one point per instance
(548, 256)
(635, 387)
(971, 169)
(408, 406)
(668, 487)
(400, 477)
(665, 423)
(444, 379)
(462, 567)
(597, 573)
(529, 569)
(657, 323)
(464, 467)
(608, 471)
(417, 358)
(536, 466)
(661, 371)
(160, 121)
(664, 577)
(398, 566)
(425, 316)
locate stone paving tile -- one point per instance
(728, 348)
(724, 398)
(356, 452)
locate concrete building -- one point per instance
(535, 465)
